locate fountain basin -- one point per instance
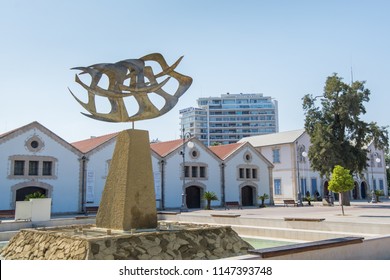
(175, 241)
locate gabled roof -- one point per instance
(88, 145)
(36, 125)
(165, 148)
(274, 138)
(224, 151)
(7, 133)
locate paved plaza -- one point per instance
(359, 211)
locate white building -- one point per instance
(201, 173)
(230, 117)
(292, 173)
(32, 158)
(235, 172)
(246, 173)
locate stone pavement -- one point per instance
(359, 212)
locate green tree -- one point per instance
(341, 182)
(387, 161)
(337, 133)
(263, 198)
(209, 196)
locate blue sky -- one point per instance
(280, 48)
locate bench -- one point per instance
(7, 213)
(91, 209)
(229, 204)
(290, 219)
(225, 215)
(289, 202)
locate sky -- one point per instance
(283, 49)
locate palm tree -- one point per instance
(263, 197)
(209, 196)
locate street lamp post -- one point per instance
(377, 160)
(184, 136)
(301, 153)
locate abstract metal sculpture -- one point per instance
(128, 199)
(131, 77)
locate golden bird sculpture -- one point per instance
(131, 77)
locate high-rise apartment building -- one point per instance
(230, 117)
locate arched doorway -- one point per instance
(247, 196)
(193, 197)
(21, 193)
(363, 190)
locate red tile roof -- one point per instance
(89, 144)
(224, 151)
(164, 148)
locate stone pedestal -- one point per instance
(129, 200)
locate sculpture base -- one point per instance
(170, 242)
(129, 200)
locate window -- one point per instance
(195, 171)
(247, 173)
(276, 155)
(34, 144)
(187, 171)
(277, 186)
(314, 184)
(248, 157)
(303, 185)
(241, 175)
(33, 167)
(202, 172)
(254, 173)
(27, 167)
(19, 167)
(381, 186)
(47, 168)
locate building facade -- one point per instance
(34, 159)
(293, 176)
(73, 175)
(235, 172)
(230, 117)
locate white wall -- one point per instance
(284, 170)
(174, 179)
(232, 180)
(65, 186)
(97, 166)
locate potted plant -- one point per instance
(209, 196)
(263, 198)
(308, 199)
(34, 195)
(378, 193)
